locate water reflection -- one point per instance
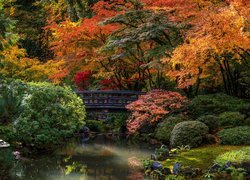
(97, 159)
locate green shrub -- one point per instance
(235, 136)
(6, 133)
(116, 120)
(236, 156)
(231, 119)
(11, 94)
(211, 121)
(95, 125)
(164, 129)
(188, 133)
(217, 103)
(49, 114)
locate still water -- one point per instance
(96, 159)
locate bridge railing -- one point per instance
(108, 99)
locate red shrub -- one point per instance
(152, 106)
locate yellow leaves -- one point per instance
(15, 64)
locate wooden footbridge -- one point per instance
(100, 103)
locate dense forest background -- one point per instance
(199, 46)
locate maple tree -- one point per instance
(112, 49)
(132, 44)
(151, 108)
(216, 47)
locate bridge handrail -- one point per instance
(94, 99)
(110, 92)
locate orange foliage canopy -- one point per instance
(217, 40)
(78, 43)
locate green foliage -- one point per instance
(211, 121)
(214, 104)
(231, 119)
(49, 113)
(7, 25)
(188, 133)
(6, 133)
(175, 177)
(139, 27)
(235, 136)
(237, 173)
(117, 120)
(235, 156)
(11, 94)
(164, 129)
(95, 125)
(147, 163)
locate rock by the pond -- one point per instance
(162, 153)
(215, 167)
(246, 166)
(153, 157)
(166, 171)
(176, 168)
(190, 172)
(227, 165)
(85, 134)
(156, 165)
(84, 130)
(4, 144)
(17, 154)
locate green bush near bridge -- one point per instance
(46, 115)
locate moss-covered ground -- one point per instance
(202, 157)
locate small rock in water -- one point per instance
(3, 144)
(166, 171)
(17, 154)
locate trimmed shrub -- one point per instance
(217, 103)
(231, 119)
(49, 114)
(164, 129)
(211, 121)
(235, 136)
(188, 133)
(95, 125)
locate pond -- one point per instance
(99, 158)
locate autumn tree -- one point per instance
(14, 62)
(150, 108)
(136, 48)
(216, 47)
(126, 47)
(78, 43)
